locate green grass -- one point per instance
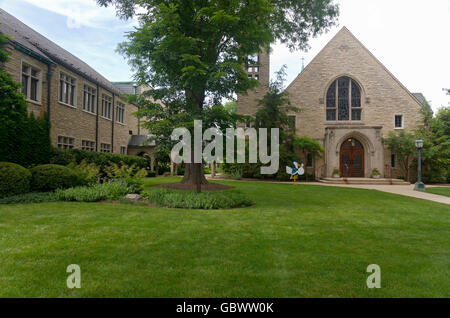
(445, 191)
(304, 241)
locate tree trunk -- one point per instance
(195, 176)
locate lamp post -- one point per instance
(420, 186)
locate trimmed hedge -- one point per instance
(14, 179)
(52, 177)
(65, 157)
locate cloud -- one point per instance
(86, 13)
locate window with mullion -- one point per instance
(120, 113)
(67, 89)
(31, 82)
(89, 99)
(106, 106)
(344, 100)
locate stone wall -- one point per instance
(73, 121)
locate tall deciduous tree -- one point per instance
(194, 50)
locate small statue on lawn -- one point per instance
(296, 171)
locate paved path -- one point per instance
(406, 190)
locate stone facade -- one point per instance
(68, 120)
(382, 98)
(247, 103)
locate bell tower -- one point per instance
(258, 67)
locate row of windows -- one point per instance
(65, 142)
(32, 89)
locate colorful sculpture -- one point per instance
(295, 171)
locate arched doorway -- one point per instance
(352, 159)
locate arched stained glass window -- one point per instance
(344, 100)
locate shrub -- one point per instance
(88, 173)
(151, 174)
(190, 200)
(34, 197)
(67, 156)
(375, 172)
(106, 191)
(52, 177)
(14, 179)
(132, 175)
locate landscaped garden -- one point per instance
(304, 241)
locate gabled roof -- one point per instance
(420, 98)
(38, 44)
(347, 31)
(141, 140)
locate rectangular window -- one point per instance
(253, 59)
(309, 160)
(123, 150)
(393, 161)
(105, 147)
(107, 106)
(398, 121)
(292, 122)
(31, 82)
(120, 113)
(89, 99)
(66, 142)
(88, 145)
(67, 89)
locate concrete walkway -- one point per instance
(405, 190)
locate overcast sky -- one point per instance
(410, 37)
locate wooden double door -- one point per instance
(352, 159)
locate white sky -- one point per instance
(410, 37)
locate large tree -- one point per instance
(192, 52)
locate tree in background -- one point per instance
(24, 140)
(193, 52)
(309, 146)
(436, 152)
(403, 145)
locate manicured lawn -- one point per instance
(304, 241)
(445, 191)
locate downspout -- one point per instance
(112, 127)
(96, 120)
(139, 118)
(49, 84)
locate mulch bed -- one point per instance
(189, 187)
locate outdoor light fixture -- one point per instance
(420, 186)
(419, 144)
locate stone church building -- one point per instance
(349, 101)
